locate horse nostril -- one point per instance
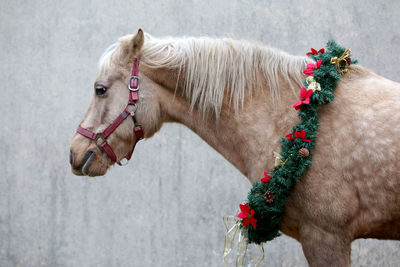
(87, 159)
(71, 158)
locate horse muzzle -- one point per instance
(90, 164)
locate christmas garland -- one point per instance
(266, 201)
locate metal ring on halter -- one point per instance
(132, 111)
(123, 162)
(100, 139)
(138, 83)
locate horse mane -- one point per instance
(214, 67)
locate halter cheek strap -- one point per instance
(101, 138)
(134, 83)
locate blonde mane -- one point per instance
(214, 67)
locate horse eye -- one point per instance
(100, 90)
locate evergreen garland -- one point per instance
(267, 198)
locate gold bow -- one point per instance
(337, 61)
(232, 225)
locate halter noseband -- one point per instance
(101, 138)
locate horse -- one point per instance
(237, 96)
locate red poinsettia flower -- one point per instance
(297, 134)
(289, 137)
(310, 67)
(314, 52)
(247, 215)
(304, 98)
(266, 178)
(302, 136)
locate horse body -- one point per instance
(352, 188)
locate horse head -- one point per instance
(104, 128)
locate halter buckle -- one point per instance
(131, 81)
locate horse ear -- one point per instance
(137, 42)
(130, 47)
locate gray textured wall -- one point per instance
(165, 207)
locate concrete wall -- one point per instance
(165, 208)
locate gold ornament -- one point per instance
(304, 152)
(346, 58)
(278, 160)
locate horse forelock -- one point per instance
(212, 68)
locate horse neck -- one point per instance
(246, 138)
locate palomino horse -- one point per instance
(238, 97)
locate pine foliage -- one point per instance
(283, 178)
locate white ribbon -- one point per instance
(232, 225)
(313, 84)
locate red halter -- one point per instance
(101, 138)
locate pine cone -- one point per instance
(348, 60)
(269, 197)
(304, 152)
